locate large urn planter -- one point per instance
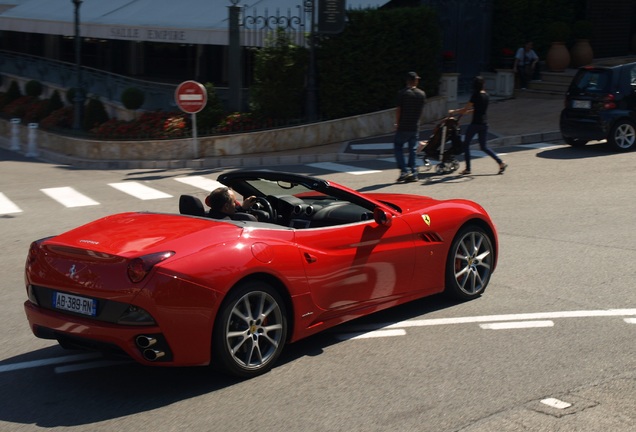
(581, 53)
(558, 57)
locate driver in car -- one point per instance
(223, 205)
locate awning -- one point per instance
(202, 22)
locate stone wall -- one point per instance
(64, 149)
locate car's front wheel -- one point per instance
(250, 330)
(470, 263)
(622, 137)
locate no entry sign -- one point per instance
(191, 96)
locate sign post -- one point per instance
(191, 97)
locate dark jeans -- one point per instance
(481, 130)
(527, 73)
(410, 138)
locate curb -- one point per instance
(270, 159)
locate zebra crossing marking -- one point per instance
(200, 182)
(7, 206)
(336, 167)
(69, 197)
(139, 190)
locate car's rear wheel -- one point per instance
(250, 330)
(622, 137)
(470, 263)
(574, 142)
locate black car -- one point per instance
(600, 104)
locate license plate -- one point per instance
(581, 104)
(73, 303)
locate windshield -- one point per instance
(593, 81)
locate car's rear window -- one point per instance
(593, 81)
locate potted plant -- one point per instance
(581, 52)
(558, 57)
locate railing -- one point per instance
(108, 86)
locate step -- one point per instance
(557, 77)
(552, 86)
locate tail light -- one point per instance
(33, 252)
(139, 267)
(609, 102)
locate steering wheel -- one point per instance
(261, 203)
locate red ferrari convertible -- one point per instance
(185, 289)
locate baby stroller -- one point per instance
(445, 142)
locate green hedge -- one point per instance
(362, 69)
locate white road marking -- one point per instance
(7, 206)
(371, 334)
(69, 197)
(139, 190)
(556, 403)
(516, 325)
(47, 362)
(200, 182)
(368, 331)
(330, 166)
(496, 318)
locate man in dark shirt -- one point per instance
(410, 104)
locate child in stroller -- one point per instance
(444, 143)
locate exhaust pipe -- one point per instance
(153, 355)
(145, 341)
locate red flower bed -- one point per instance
(61, 118)
(19, 107)
(150, 125)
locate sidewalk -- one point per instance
(520, 120)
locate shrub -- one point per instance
(70, 95)
(33, 88)
(132, 98)
(582, 29)
(55, 102)
(13, 92)
(558, 31)
(210, 116)
(94, 114)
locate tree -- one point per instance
(279, 77)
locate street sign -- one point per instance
(191, 96)
(331, 16)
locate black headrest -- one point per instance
(190, 205)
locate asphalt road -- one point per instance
(557, 323)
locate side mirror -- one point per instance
(381, 217)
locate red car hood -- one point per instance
(133, 234)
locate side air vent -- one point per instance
(431, 237)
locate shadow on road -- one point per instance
(48, 398)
